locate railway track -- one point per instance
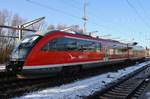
(12, 87)
(5, 76)
(129, 87)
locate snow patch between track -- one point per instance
(81, 88)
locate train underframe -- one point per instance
(16, 67)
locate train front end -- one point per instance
(20, 52)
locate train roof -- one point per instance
(108, 42)
(138, 48)
(44, 32)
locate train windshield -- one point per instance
(24, 46)
(28, 41)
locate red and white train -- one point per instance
(52, 50)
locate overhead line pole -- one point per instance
(84, 17)
(28, 24)
(22, 27)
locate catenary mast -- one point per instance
(84, 17)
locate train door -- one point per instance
(105, 54)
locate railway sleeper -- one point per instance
(119, 91)
(140, 90)
(118, 94)
(126, 87)
(130, 84)
(127, 84)
(113, 96)
(137, 95)
(123, 88)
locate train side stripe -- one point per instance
(67, 64)
(58, 65)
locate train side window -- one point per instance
(88, 45)
(46, 47)
(82, 45)
(61, 44)
(49, 45)
(69, 44)
(66, 44)
(98, 46)
(95, 46)
(111, 51)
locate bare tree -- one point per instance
(75, 28)
(51, 27)
(61, 26)
(6, 44)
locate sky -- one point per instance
(125, 20)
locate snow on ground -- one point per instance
(2, 67)
(81, 88)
